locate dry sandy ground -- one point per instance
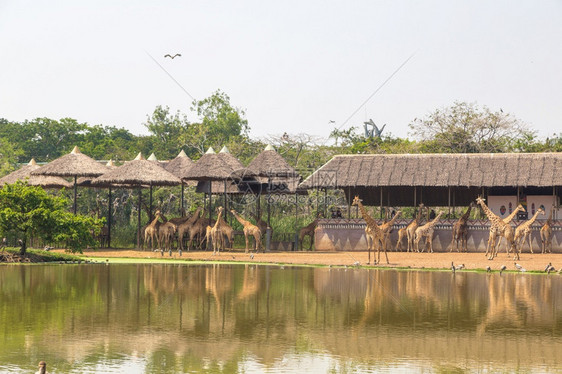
(531, 262)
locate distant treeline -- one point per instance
(461, 128)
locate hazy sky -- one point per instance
(292, 65)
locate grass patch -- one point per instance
(11, 255)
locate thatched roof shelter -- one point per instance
(271, 168)
(400, 174)
(269, 163)
(209, 167)
(73, 164)
(138, 172)
(179, 165)
(24, 174)
(229, 159)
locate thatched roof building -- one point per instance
(24, 174)
(73, 164)
(431, 176)
(270, 167)
(139, 172)
(179, 165)
(209, 167)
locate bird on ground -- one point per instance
(356, 263)
(488, 269)
(172, 57)
(179, 252)
(453, 267)
(548, 267)
(170, 252)
(42, 368)
(251, 256)
(517, 266)
(459, 267)
(503, 267)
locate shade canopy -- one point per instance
(269, 163)
(24, 174)
(138, 172)
(270, 168)
(209, 167)
(74, 164)
(179, 165)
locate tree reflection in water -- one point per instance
(228, 318)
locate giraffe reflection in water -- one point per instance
(218, 313)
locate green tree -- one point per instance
(9, 154)
(27, 210)
(218, 122)
(167, 128)
(467, 128)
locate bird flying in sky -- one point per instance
(172, 57)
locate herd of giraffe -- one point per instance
(378, 236)
(196, 230)
(218, 235)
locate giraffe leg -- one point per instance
(530, 245)
(246, 237)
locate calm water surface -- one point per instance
(253, 319)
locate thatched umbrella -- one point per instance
(138, 173)
(271, 168)
(75, 164)
(210, 167)
(179, 166)
(24, 174)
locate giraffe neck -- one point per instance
(549, 219)
(195, 216)
(491, 216)
(219, 218)
(370, 221)
(418, 216)
(533, 218)
(432, 223)
(391, 222)
(466, 214)
(242, 221)
(512, 215)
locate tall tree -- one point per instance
(218, 122)
(167, 128)
(467, 128)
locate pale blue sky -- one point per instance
(292, 65)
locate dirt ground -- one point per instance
(531, 262)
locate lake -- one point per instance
(98, 318)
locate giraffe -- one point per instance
(372, 232)
(523, 231)
(216, 233)
(387, 227)
(184, 227)
(427, 231)
(507, 220)
(411, 228)
(166, 232)
(260, 223)
(249, 229)
(498, 227)
(546, 233)
(151, 231)
(460, 230)
(402, 233)
(308, 230)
